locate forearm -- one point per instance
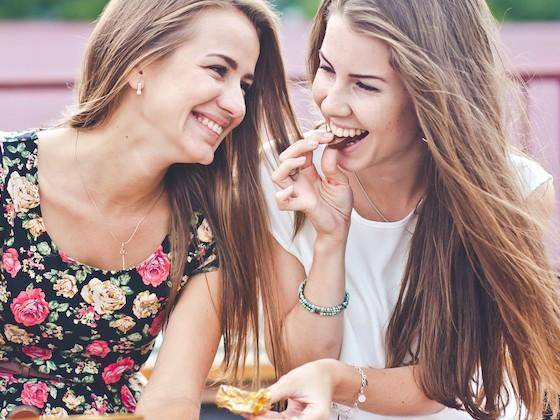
(309, 336)
(191, 339)
(154, 406)
(390, 392)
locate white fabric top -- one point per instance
(376, 255)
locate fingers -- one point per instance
(297, 157)
(292, 199)
(281, 390)
(306, 145)
(331, 170)
(286, 199)
(281, 176)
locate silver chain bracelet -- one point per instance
(345, 412)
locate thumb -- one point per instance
(331, 170)
(281, 390)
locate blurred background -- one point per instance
(42, 41)
(41, 44)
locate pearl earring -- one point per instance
(139, 88)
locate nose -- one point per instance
(232, 101)
(335, 103)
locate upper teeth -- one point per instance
(344, 132)
(216, 128)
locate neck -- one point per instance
(120, 166)
(395, 185)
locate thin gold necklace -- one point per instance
(123, 244)
(370, 201)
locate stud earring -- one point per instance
(139, 88)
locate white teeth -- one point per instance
(216, 128)
(344, 132)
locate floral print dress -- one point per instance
(92, 328)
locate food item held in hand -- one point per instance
(242, 402)
(344, 137)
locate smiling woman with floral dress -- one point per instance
(113, 223)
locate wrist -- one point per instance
(329, 243)
(333, 369)
(348, 386)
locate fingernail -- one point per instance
(327, 135)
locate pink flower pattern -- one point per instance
(35, 394)
(30, 307)
(155, 269)
(98, 348)
(10, 262)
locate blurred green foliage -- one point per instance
(306, 8)
(89, 9)
(525, 9)
(51, 9)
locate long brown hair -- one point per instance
(131, 34)
(478, 304)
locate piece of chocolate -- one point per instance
(242, 402)
(342, 142)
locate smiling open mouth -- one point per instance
(343, 142)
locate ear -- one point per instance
(136, 80)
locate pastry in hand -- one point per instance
(243, 402)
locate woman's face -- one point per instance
(356, 88)
(195, 96)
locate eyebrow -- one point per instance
(232, 63)
(354, 75)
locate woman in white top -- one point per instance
(423, 215)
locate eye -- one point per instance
(219, 70)
(367, 87)
(326, 68)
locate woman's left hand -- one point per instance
(308, 389)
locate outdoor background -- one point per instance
(42, 41)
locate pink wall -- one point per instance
(40, 60)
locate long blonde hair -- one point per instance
(478, 301)
(131, 34)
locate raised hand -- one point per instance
(325, 199)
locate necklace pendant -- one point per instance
(122, 253)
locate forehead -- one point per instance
(344, 47)
(227, 31)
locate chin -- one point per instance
(207, 162)
(200, 153)
(352, 165)
(205, 159)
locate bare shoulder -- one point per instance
(542, 200)
(50, 138)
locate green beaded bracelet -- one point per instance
(321, 310)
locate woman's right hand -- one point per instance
(308, 390)
(326, 200)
